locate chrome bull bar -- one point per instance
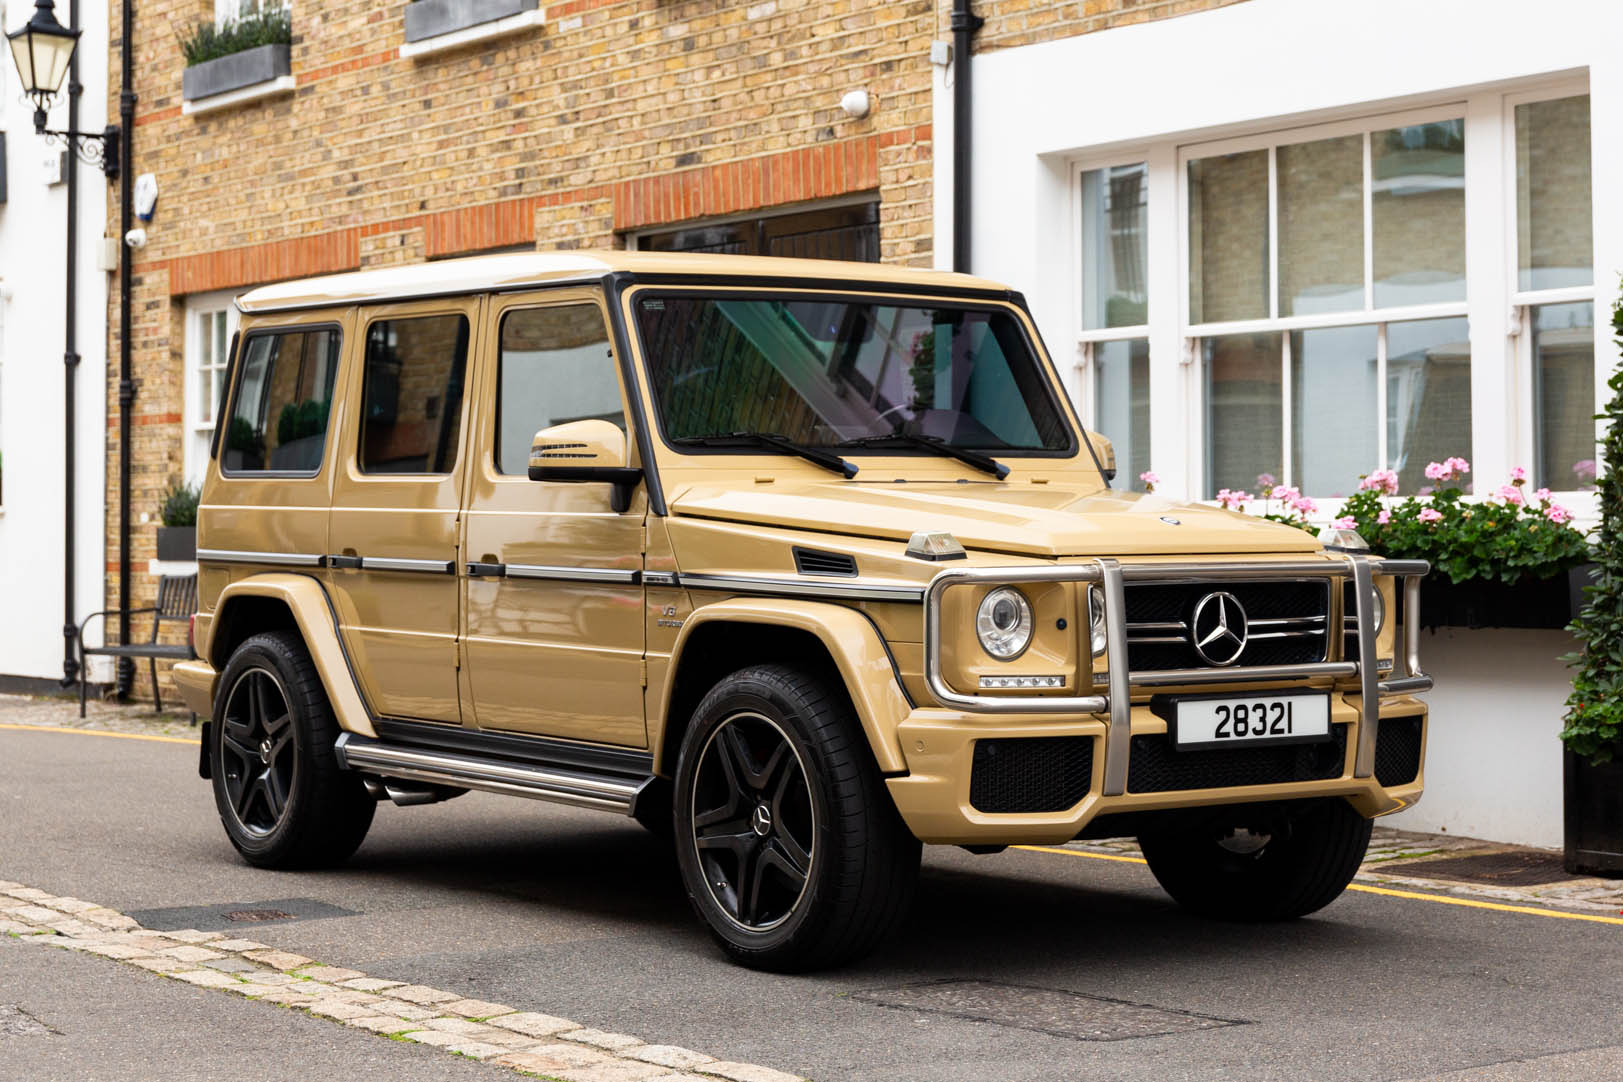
(1112, 575)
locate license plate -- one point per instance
(1250, 720)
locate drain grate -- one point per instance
(1052, 1011)
(16, 1022)
(216, 918)
(1516, 869)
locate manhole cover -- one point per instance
(1043, 1010)
(16, 1022)
(1519, 869)
(217, 918)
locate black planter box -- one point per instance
(1528, 603)
(1594, 817)
(431, 18)
(260, 64)
(177, 542)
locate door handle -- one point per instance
(349, 563)
(479, 569)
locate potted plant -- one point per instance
(1594, 722)
(177, 537)
(237, 53)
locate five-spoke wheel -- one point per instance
(258, 747)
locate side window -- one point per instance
(284, 394)
(412, 394)
(556, 366)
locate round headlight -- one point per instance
(1096, 620)
(1003, 623)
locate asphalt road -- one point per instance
(582, 915)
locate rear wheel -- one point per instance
(788, 842)
(277, 784)
(1259, 862)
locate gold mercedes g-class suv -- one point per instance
(801, 564)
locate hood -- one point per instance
(1026, 519)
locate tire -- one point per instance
(277, 784)
(788, 843)
(1260, 862)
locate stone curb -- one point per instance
(527, 1042)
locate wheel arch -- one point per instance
(726, 636)
(283, 602)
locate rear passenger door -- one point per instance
(554, 637)
(392, 555)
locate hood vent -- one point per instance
(812, 562)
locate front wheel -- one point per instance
(1259, 862)
(787, 840)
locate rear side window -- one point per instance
(556, 367)
(284, 394)
(411, 417)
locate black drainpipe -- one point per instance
(70, 372)
(964, 25)
(126, 384)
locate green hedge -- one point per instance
(209, 41)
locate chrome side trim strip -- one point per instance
(538, 783)
(573, 574)
(660, 578)
(1120, 735)
(391, 563)
(1369, 699)
(274, 559)
(841, 590)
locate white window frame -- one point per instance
(232, 10)
(198, 416)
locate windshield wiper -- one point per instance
(826, 459)
(935, 445)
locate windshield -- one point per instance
(825, 372)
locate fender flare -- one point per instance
(865, 665)
(318, 625)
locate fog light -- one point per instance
(1022, 681)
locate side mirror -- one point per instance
(588, 451)
(1104, 451)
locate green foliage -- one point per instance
(1594, 720)
(300, 419)
(210, 41)
(179, 505)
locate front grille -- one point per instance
(1155, 767)
(1034, 774)
(1286, 622)
(1397, 750)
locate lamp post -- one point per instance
(43, 50)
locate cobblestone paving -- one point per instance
(524, 1041)
(102, 717)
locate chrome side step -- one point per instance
(578, 789)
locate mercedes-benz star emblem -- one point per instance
(762, 820)
(1219, 628)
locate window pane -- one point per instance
(279, 417)
(1121, 393)
(1418, 204)
(1243, 409)
(1564, 387)
(1228, 237)
(1428, 397)
(412, 394)
(1334, 437)
(1114, 246)
(556, 367)
(1321, 226)
(1554, 241)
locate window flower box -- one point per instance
(260, 72)
(436, 25)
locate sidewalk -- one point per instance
(1440, 863)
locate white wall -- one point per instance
(33, 234)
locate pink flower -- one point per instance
(1519, 475)
(1429, 514)
(1232, 499)
(1585, 470)
(1381, 481)
(1150, 479)
(1266, 482)
(1286, 494)
(1542, 495)
(1558, 514)
(1383, 518)
(1510, 494)
(1345, 522)
(1305, 505)
(1436, 471)
(1457, 465)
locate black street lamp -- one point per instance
(43, 49)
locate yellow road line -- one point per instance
(99, 732)
(1414, 895)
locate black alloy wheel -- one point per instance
(258, 751)
(752, 821)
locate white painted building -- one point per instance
(33, 267)
(1310, 238)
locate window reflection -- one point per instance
(1417, 203)
(1228, 237)
(1321, 226)
(1114, 246)
(1121, 393)
(1243, 409)
(1554, 223)
(1564, 388)
(1333, 426)
(1428, 396)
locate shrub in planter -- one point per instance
(1594, 720)
(210, 41)
(177, 537)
